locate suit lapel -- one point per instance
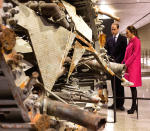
(116, 45)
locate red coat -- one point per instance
(132, 61)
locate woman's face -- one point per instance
(129, 34)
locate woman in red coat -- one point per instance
(132, 60)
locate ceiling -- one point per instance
(131, 12)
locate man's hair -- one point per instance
(117, 25)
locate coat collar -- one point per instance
(116, 36)
(132, 39)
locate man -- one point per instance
(116, 46)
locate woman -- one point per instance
(132, 60)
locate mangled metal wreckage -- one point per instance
(45, 54)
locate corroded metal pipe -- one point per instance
(83, 98)
(118, 68)
(75, 115)
(96, 8)
(115, 67)
(50, 10)
(32, 80)
(33, 5)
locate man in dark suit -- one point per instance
(116, 47)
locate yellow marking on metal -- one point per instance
(109, 70)
(123, 79)
(77, 45)
(22, 85)
(34, 118)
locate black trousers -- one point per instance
(119, 91)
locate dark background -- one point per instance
(107, 30)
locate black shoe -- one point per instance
(132, 110)
(121, 108)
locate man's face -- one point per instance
(114, 30)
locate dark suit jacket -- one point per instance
(116, 50)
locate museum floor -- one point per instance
(127, 122)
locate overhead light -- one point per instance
(107, 8)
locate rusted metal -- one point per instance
(103, 94)
(56, 96)
(118, 68)
(16, 125)
(85, 42)
(7, 39)
(93, 64)
(44, 123)
(9, 109)
(102, 40)
(33, 5)
(50, 10)
(76, 97)
(15, 92)
(46, 33)
(51, 44)
(105, 66)
(75, 115)
(78, 52)
(106, 13)
(8, 102)
(80, 25)
(32, 81)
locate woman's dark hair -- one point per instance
(133, 30)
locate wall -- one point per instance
(144, 34)
(107, 30)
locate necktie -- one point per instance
(114, 41)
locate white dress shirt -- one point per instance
(116, 37)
